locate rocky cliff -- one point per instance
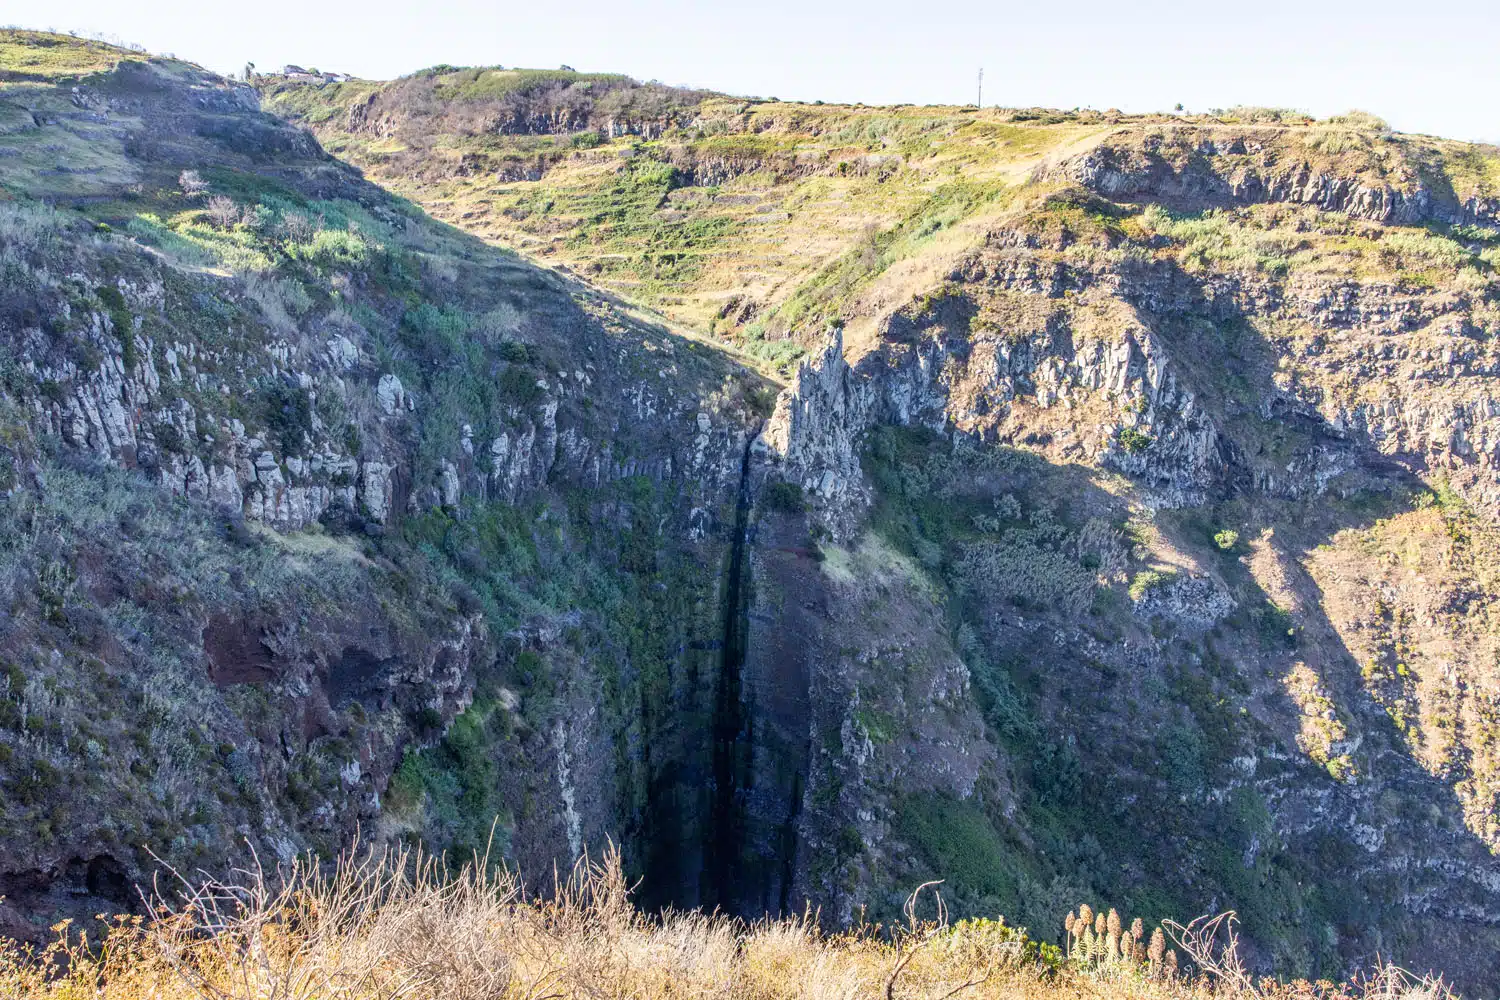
(1076, 425)
(321, 516)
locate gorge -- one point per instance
(812, 500)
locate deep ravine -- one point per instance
(732, 726)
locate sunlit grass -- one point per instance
(39, 56)
(399, 925)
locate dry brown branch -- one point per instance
(1200, 941)
(918, 934)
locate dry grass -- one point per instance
(396, 925)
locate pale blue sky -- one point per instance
(1425, 68)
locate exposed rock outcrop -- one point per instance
(1199, 165)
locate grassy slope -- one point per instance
(40, 57)
(757, 220)
(781, 192)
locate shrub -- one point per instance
(518, 384)
(1134, 441)
(1334, 141)
(785, 497)
(1216, 237)
(24, 225)
(1147, 580)
(151, 230)
(1226, 539)
(1260, 115)
(1323, 735)
(1027, 569)
(191, 183)
(1418, 248)
(332, 248)
(120, 319)
(400, 922)
(959, 840)
(1361, 120)
(281, 300)
(297, 227)
(223, 211)
(1276, 624)
(287, 410)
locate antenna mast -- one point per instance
(981, 87)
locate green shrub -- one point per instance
(1147, 580)
(281, 300)
(405, 793)
(150, 229)
(1134, 441)
(120, 319)
(1258, 115)
(436, 334)
(1029, 567)
(332, 248)
(1418, 248)
(1277, 626)
(785, 497)
(287, 410)
(519, 385)
(1217, 237)
(850, 844)
(169, 438)
(1182, 757)
(880, 726)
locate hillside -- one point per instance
(812, 500)
(756, 219)
(298, 481)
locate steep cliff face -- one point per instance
(320, 516)
(1366, 174)
(1095, 680)
(1188, 645)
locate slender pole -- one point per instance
(981, 87)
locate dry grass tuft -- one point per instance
(394, 925)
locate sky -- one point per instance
(1424, 69)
